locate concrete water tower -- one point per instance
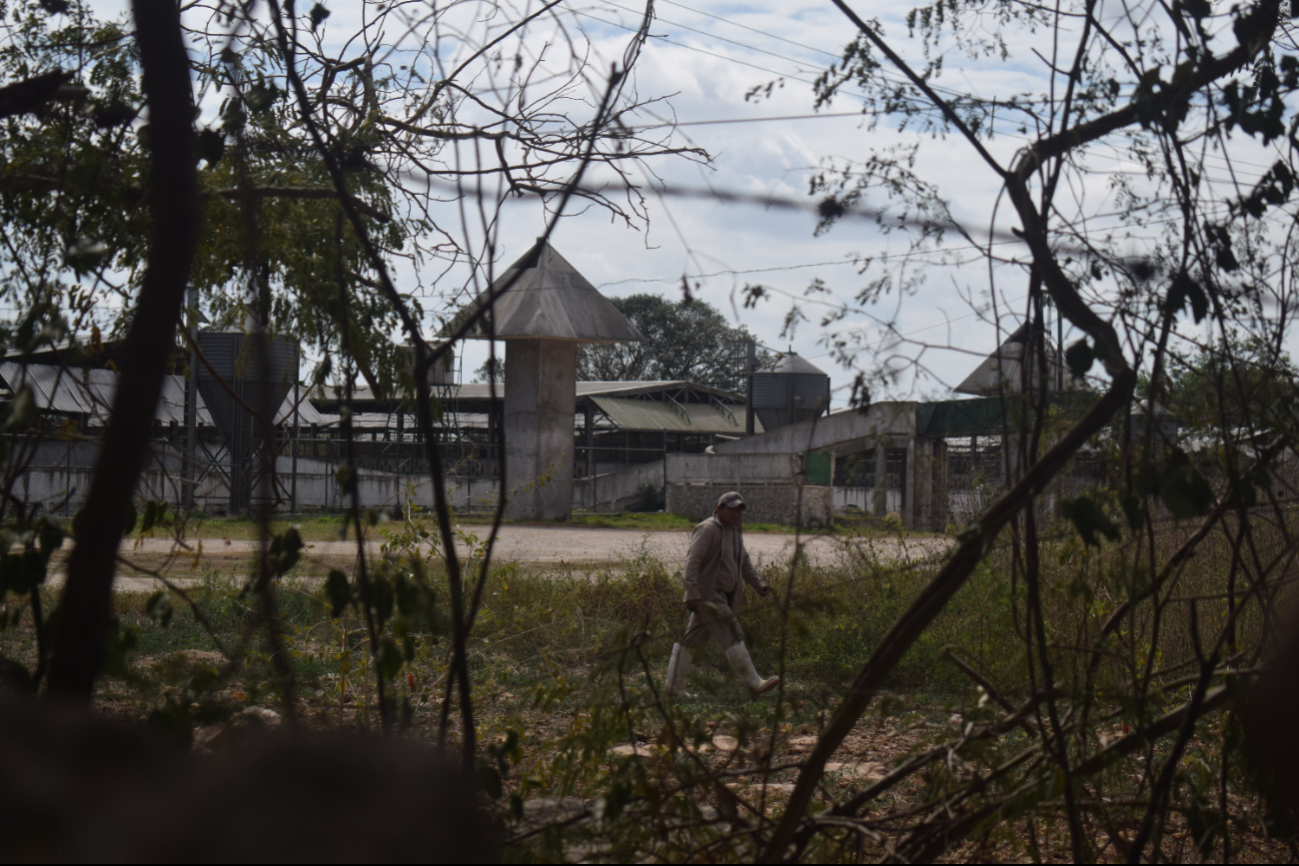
(548, 310)
(791, 390)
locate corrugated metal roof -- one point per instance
(631, 414)
(482, 390)
(90, 392)
(551, 300)
(307, 413)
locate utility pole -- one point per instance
(191, 405)
(750, 361)
(297, 430)
(1059, 348)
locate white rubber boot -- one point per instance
(679, 671)
(738, 656)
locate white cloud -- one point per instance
(707, 70)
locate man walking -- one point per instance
(716, 570)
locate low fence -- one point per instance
(58, 474)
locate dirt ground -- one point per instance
(559, 547)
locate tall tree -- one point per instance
(1193, 241)
(333, 158)
(688, 341)
(173, 204)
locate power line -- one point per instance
(750, 29)
(712, 35)
(883, 72)
(697, 49)
(768, 70)
(757, 119)
(854, 262)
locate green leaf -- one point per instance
(318, 15)
(1089, 519)
(129, 517)
(382, 598)
(84, 255)
(388, 659)
(1186, 492)
(1133, 511)
(610, 806)
(286, 550)
(1182, 289)
(150, 515)
(22, 410)
(262, 96)
(119, 641)
(1079, 358)
(159, 608)
(339, 592)
(1227, 259)
(211, 146)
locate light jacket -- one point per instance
(704, 563)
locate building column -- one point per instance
(588, 437)
(540, 402)
(941, 508)
(881, 504)
(909, 511)
(923, 475)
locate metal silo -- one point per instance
(236, 375)
(792, 390)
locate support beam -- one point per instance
(881, 503)
(588, 437)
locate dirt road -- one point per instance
(558, 546)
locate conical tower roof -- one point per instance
(1002, 371)
(550, 300)
(792, 363)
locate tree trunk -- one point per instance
(79, 646)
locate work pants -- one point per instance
(715, 620)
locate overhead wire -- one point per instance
(854, 262)
(939, 88)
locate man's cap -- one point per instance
(731, 500)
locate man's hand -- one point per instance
(692, 604)
(764, 590)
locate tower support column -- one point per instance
(540, 404)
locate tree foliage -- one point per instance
(689, 341)
(325, 174)
(1241, 386)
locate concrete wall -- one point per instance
(769, 483)
(847, 432)
(764, 503)
(618, 491)
(733, 469)
(922, 496)
(540, 402)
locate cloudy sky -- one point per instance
(702, 58)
